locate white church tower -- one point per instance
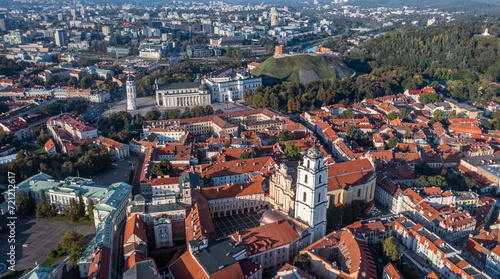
(310, 195)
(131, 98)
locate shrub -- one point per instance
(52, 254)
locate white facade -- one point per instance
(131, 97)
(311, 193)
(163, 232)
(231, 87)
(100, 96)
(182, 94)
(151, 53)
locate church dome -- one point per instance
(203, 87)
(313, 152)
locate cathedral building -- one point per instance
(219, 86)
(177, 95)
(282, 189)
(300, 192)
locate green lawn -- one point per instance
(51, 261)
(34, 149)
(288, 68)
(83, 221)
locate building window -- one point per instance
(319, 197)
(305, 178)
(359, 193)
(319, 180)
(305, 197)
(308, 164)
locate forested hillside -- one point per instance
(446, 52)
(453, 55)
(435, 51)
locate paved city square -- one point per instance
(41, 236)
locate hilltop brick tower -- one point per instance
(278, 50)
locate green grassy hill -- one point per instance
(301, 69)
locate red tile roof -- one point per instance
(186, 267)
(49, 145)
(99, 267)
(392, 272)
(358, 261)
(132, 260)
(241, 189)
(266, 237)
(300, 272)
(199, 221)
(135, 230)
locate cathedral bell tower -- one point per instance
(311, 193)
(131, 97)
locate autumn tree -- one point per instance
(292, 151)
(74, 243)
(153, 114)
(73, 211)
(164, 167)
(285, 135)
(391, 249)
(393, 141)
(24, 205)
(350, 132)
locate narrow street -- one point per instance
(117, 261)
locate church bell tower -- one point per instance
(131, 97)
(311, 193)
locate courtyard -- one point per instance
(226, 225)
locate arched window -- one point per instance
(305, 178)
(359, 193)
(305, 197)
(319, 180)
(319, 197)
(308, 164)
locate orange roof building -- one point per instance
(351, 181)
(391, 272)
(268, 240)
(343, 253)
(100, 267)
(216, 260)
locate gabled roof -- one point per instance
(49, 145)
(392, 272)
(266, 237)
(133, 260)
(135, 230)
(186, 267)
